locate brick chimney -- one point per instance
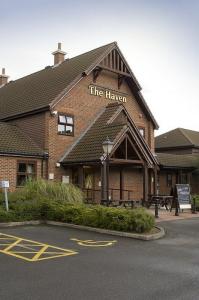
(59, 55)
(3, 78)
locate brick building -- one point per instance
(53, 124)
(178, 156)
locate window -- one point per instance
(169, 180)
(142, 131)
(25, 170)
(65, 124)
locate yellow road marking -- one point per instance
(45, 251)
(92, 243)
(41, 251)
(12, 245)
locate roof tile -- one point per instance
(15, 142)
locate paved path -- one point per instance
(165, 215)
(120, 270)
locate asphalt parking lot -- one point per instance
(46, 262)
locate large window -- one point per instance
(25, 171)
(65, 124)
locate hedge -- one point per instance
(122, 219)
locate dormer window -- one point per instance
(65, 124)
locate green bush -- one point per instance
(132, 220)
(196, 199)
(5, 216)
(135, 220)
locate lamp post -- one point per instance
(107, 146)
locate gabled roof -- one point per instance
(113, 124)
(178, 137)
(167, 160)
(43, 89)
(14, 142)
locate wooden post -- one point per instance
(104, 181)
(80, 177)
(150, 177)
(155, 181)
(107, 179)
(145, 183)
(121, 184)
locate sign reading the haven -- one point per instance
(107, 93)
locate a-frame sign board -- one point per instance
(183, 196)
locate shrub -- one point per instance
(43, 189)
(135, 220)
(196, 198)
(6, 216)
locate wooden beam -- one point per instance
(122, 66)
(96, 73)
(114, 60)
(121, 183)
(155, 181)
(113, 70)
(118, 61)
(134, 148)
(120, 80)
(126, 154)
(125, 161)
(145, 183)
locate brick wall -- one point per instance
(164, 189)
(133, 181)
(42, 128)
(8, 169)
(85, 108)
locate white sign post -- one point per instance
(5, 185)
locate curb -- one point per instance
(13, 224)
(144, 237)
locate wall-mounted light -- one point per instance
(54, 113)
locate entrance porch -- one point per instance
(127, 182)
(127, 172)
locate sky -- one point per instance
(159, 39)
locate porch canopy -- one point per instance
(129, 146)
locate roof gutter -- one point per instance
(36, 111)
(177, 167)
(45, 155)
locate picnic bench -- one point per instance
(161, 200)
(124, 203)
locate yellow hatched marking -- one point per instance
(40, 252)
(12, 245)
(92, 243)
(13, 242)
